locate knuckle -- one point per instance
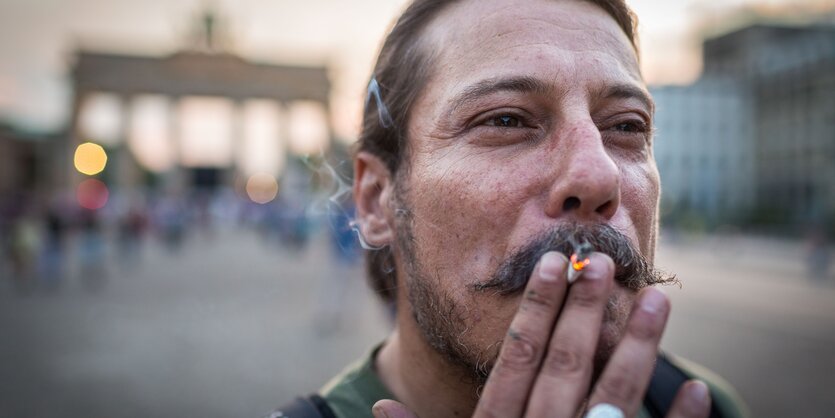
(563, 361)
(646, 327)
(488, 409)
(617, 389)
(646, 331)
(537, 299)
(586, 298)
(520, 351)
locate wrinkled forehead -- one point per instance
(474, 36)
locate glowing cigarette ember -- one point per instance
(579, 261)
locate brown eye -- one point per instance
(504, 121)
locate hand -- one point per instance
(545, 365)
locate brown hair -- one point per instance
(401, 71)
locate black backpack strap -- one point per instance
(662, 390)
(313, 406)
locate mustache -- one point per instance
(632, 269)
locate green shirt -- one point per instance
(352, 393)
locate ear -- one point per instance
(373, 189)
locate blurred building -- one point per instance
(18, 161)
(201, 117)
(26, 162)
(703, 147)
(753, 139)
(27, 177)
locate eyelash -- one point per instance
(640, 126)
(629, 129)
(489, 131)
(521, 121)
(632, 135)
(503, 121)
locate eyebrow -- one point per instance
(525, 84)
(520, 84)
(629, 91)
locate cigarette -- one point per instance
(579, 261)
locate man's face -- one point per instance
(535, 116)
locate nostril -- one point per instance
(570, 204)
(604, 208)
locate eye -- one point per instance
(631, 127)
(504, 121)
(505, 126)
(632, 134)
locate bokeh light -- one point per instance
(92, 194)
(261, 188)
(100, 118)
(90, 158)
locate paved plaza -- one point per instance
(231, 325)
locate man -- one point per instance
(498, 136)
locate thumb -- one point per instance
(388, 408)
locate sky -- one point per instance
(38, 39)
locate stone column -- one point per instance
(127, 177)
(66, 176)
(173, 179)
(233, 172)
(326, 110)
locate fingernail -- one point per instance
(699, 391)
(653, 300)
(697, 401)
(379, 412)
(598, 268)
(551, 265)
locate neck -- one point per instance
(420, 378)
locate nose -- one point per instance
(587, 179)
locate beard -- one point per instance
(444, 322)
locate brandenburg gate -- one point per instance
(198, 117)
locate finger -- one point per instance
(388, 408)
(627, 374)
(563, 380)
(510, 381)
(692, 401)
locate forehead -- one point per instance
(557, 40)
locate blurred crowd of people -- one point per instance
(45, 243)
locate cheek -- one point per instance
(642, 186)
(488, 319)
(465, 208)
(639, 199)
